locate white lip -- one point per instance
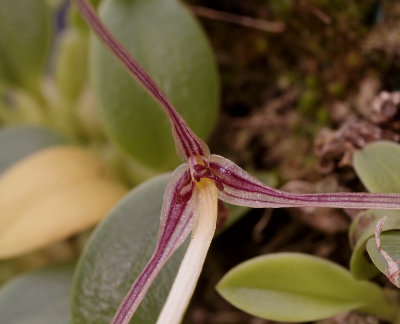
(192, 263)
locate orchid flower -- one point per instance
(192, 193)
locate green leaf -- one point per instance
(71, 69)
(75, 20)
(39, 297)
(361, 229)
(168, 42)
(25, 32)
(293, 287)
(390, 242)
(21, 141)
(115, 255)
(360, 265)
(378, 166)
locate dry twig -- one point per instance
(264, 25)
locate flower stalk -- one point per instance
(190, 200)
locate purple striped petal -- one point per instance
(240, 188)
(187, 143)
(176, 224)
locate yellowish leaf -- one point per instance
(51, 195)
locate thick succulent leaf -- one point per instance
(240, 188)
(22, 107)
(71, 70)
(293, 287)
(38, 297)
(168, 43)
(390, 243)
(75, 19)
(378, 166)
(116, 254)
(360, 265)
(20, 141)
(52, 194)
(361, 229)
(363, 222)
(187, 143)
(25, 32)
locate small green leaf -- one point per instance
(75, 20)
(361, 229)
(378, 166)
(360, 265)
(21, 141)
(168, 42)
(362, 222)
(25, 32)
(71, 70)
(390, 242)
(115, 255)
(293, 287)
(23, 107)
(39, 297)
